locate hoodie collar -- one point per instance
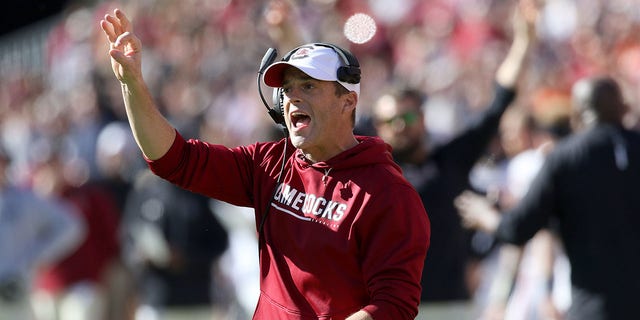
(368, 151)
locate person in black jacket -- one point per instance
(172, 242)
(442, 173)
(588, 187)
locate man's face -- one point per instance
(399, 123)
(316, 117)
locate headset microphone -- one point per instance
(278, 117)
(267, 60)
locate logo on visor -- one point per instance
(302, 53)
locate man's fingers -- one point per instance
(461, 204)
(117, 55)
(467, 204)
(115, 24)
(119, 23)
(107, 28)
(111, 27)
(128, 43)
(467, 219)
(125, 25)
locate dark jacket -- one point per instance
(590, 185)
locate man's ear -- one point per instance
(350, 100)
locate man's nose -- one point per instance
(293, 95)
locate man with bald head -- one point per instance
(588, 187)
(597, 99)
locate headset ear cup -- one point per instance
(280, 106)
(278, 109)
(349, 74)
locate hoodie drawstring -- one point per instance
(326, 174)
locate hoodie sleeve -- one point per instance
(197, 166)
(396, 236)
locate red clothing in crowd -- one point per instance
(100, 247)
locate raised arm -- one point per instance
(153, 133)
(524, 28)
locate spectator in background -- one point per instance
(172, 243)
(441, 173)
(118, 163)
(34, 232)
(240, 268)
(76, 286)
(532, 282)
(588, 186)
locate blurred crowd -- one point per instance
(62, 117)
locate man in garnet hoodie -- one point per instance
(342, 234)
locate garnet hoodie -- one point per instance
(342, 235)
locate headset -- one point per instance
(349, 73)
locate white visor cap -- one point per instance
(318, 62)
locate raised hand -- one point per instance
(477, 212)
(526, 18)
(124, 47)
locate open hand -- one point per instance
(124, 47)
(477, 212)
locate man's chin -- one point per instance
(298, 141)
(401, 155)
(404, 152)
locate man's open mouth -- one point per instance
(299, 119)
